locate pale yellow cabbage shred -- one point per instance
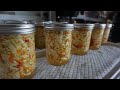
(40, 37)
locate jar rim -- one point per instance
(98, 25)
(16, 28)
(83, 25)
(42, 23)
(108, 25)
(61, 26)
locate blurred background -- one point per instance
(69, 16)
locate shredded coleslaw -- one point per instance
(17, 56)
(96, 38)
(40, 37)
(58, 46)
(81, 41)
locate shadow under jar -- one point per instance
(17, 51)
(97, 34)
(106, 33)
(58, 43)
(81, 38)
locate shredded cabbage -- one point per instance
(96, 38)
(17, 54)
(58, 46)
(81, 41)
(40, 38)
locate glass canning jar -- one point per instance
(17, 50)
(40, 35)
(96, 38)
(106, 33)
(81, 38)
(58, 43)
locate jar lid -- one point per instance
(16, 22)
(103, 25)
(89, 26)
(108, 25)
(42, 23)
(64, 22)
(59, 26)
(98, 25)
(16, 28)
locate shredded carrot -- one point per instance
(24, 67)
(21, 75)
(51, 57)
(26, 40)
(60, 54)
(78, 46)
(27, 68)
(10, 58)
(91, 43)
(18, 51)
(23, 52)
(19, 63)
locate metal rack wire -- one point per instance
(95, 65)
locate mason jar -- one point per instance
(96, 38)
(106, 33)
(40, 35)
(81, 38)
(17, 50)
(58, 43)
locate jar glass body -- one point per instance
(17, 56)
(81, 40)
(58, 46)
(40, 37)
(106, 34)
(96, 38)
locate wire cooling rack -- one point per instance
(95, 65)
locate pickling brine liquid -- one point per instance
(58, 47)
(17, 56)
